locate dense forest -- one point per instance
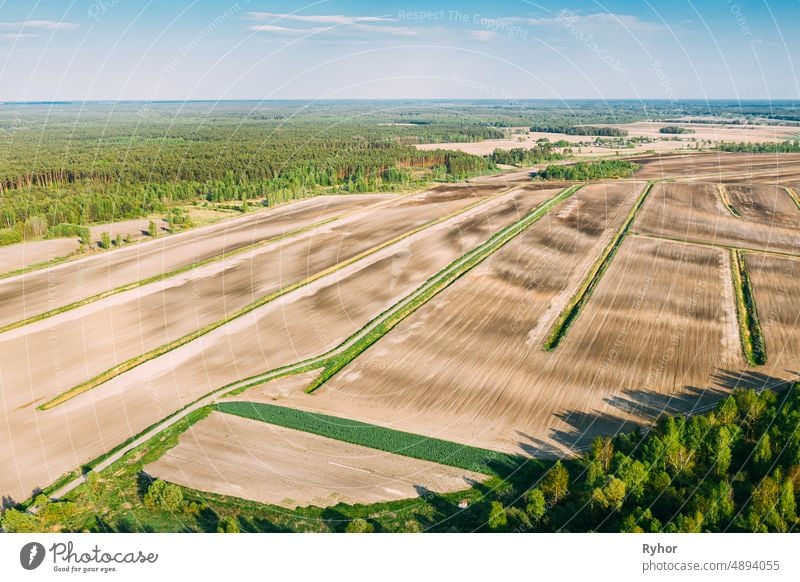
(762, 148)
(590, 170)
(581, 130)
(543, 152)
(91, 169)
(734, 469)
(674, 129)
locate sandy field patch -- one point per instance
(26, 254)
(713, 131)
(721, 167)
(42, 290)
(659, 333)
(696, 212)
(299, 325)
(776, 287)
(250, 459)
(467, 366)
(60, 352)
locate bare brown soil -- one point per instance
(469, 365)
(721, 167)
(302, 324)
(776, 287)
(46, 289)
(123, 326)
(768, 219)
(660, 323)
(25, 254)
(245, 458)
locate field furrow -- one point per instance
(467, 365)
(696, 212)
(38, 292)
(304, 323)
(776, 290)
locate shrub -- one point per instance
(9, 236)
(68, 230)
(359, 525)
(164, 496)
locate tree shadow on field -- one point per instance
(143, 482)
(259, 525)
(447, 515)
(640, 409)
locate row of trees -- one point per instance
(543, 152)
(590, 170)
(762, 148)
(581, 130)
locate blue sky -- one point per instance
(256, 49)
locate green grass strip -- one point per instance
(793, 195)
(750, 334)
(726, 201)
(162, 276)
(387, 320)
(570, 313)
(377, 437)
(174, 344)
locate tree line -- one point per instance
(597, 170)
(581, 130)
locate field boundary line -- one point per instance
(726, 201)
(195, 265)
(571, 311)
(700, 243)
(70, 480)
(793, 195)
(77, 256)
(185, 339)
(386, 321)
(750, 335)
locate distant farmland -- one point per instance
(517, 316)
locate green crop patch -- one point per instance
(377, 437)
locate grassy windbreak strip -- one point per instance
(746, 313)
(163, 349)
(163, 276)
(726, 201)
(377, 437)
(793, 195)
(387, 320)
(581, 296)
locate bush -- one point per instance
(67, 230)
(672, 129)
(34, 226)
(15, 521)
(359, 525)
(164, 496)
(9, 236)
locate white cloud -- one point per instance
(285, 30)
(338, 19)
(390, 30)
(482, 34)
(336, 23)
(40, 24)
(15, 36)
(593, 20)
